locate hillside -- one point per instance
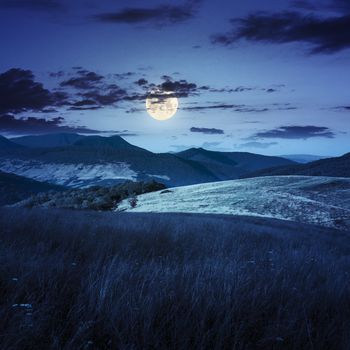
(96, 160)
(92, 198)
(14, 188)
(337, 166)
(317, 200)
(84, 161)
(303, 158)
(6, 145)
(102, 280)
(232, 165)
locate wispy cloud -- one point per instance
(10, 124)
(156, 16)
(295, 132)
(208, 131)
(323, 34)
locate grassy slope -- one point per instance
(170, 281)
(315, 200)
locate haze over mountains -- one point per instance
(81, 161)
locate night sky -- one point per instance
(268, 77)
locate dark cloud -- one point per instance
(323, 34)
(123, 76)
(209, 131)
(237, 89)
(247, 109)
(215, 106)
(256, 144)
(58, 74)
(112, 95)
(180, 88)
(342, 6)
(95, 90)
(244, 89)
(33, 5)
(10, 124)
(141, 82)
(168, 88)
(85, 80)
(20, 92)
(342, 108)
(295, 132)
(159, 15)
(237, 108)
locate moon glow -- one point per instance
(161, 107)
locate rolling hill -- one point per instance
(231, 165)
(95, 160)
(337, 166)
(314, 200)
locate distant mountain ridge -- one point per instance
(82, 161)
(7, 145)
(48, 140)
(335, 167)
(231, 165)
(303, 158)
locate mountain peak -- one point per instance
(115, 142)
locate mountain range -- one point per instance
(81, 161)
(337, 166)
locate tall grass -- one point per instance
(81, 280)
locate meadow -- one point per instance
(101, 280)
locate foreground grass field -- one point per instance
(81, 280)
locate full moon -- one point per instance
(161, 107)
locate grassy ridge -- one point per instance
(83, 280)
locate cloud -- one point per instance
(295, 132)
(113, 94)
(10, 124)
(33, 5)
(85, 80)
(256, 144)
(341, 6)
(240, 108)
(94, 90)
(141, 82)
(208, 131)
(159, 15)
(20, 92)
(323, 34)
(58, 74)
(181, 88)
(123, 76)
(213, 106)
(342, 108)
